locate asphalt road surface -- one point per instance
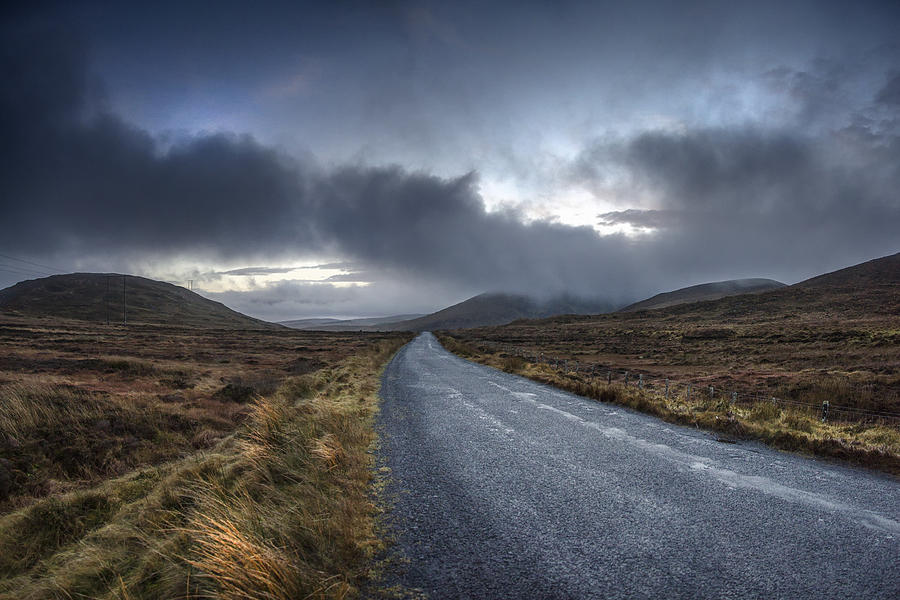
(505, 488)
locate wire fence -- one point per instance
(671, 388)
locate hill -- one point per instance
(308, 323)
(498, 309)
(833, 336)
(326, 324)
(93, 296)
(864, 291)
(878, 273)
(705, 291)
(757, 365)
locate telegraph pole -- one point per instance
(124, 306)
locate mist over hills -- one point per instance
(98, 296)
(329, 324)
(498, 309)
(864, 290)
(705, 291)
(870, 286)
(478, 311)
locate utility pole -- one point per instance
(124, 306)
(191, 284)
(107, 300)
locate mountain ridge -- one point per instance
(98, 296)
(705, 291)
(494, 308)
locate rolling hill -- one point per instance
(497, 309)
(877, 273)
(835, 336)
(865, 290)
(327, 324)
(84, 296)
(705, 291)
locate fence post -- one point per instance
(824, 411)
(667, 389)
(640, 381)
(566, 366)
(712, 392)
(689, 392)
(733, 398)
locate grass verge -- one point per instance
(280, 509)
(867, 444)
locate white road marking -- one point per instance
(706, 466)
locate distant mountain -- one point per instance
(324, 324)
(84, 296)
(705, 291)
(865, 293)
(498, 309)
(308, 323)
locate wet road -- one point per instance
(505, 488)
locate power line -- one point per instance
(25, 268)
(21, 271)
(33, 263)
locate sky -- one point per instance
(352, 159)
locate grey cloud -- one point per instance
(344, 266)
(358, 276)
(747, 202)
(297, 299)
(818, 92)
(750, 197)
(78, 179)
(252, 271)
(890, 93)
(656, 219)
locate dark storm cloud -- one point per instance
(749, 196)
(78, 179)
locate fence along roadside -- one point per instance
(826, 410)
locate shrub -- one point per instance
(513, 364)
(764, 411)
(798, 421)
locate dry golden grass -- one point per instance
(80, 402)
(275, 505)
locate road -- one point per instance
(504, 488)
